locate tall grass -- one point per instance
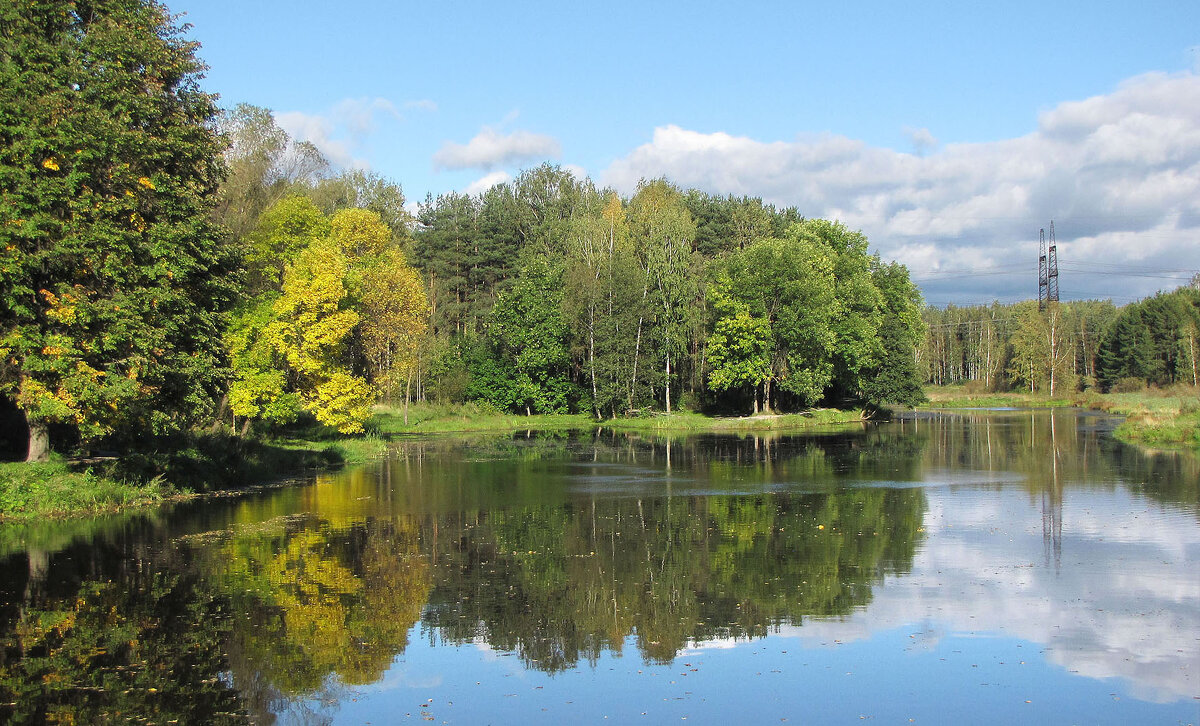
(53, 488)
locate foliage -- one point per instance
(789, 284)
(1154, 340)
(264, 166)
(114, 278)
(739, 346)
(662, 231)
(525, 362)
(346, 319)
(395, 318)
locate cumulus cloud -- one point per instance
(490, 149)
(486, 182)
(922, 140)
(320, 131)
(1118, 173)
(341, 132)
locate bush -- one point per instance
(1129, 385)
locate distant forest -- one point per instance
(1067, 347)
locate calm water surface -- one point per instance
(981, 567)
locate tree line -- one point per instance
(549, 295)
(167, 265)
(1066, 346)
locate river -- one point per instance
(958, 567)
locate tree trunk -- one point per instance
(39, 439)
(637, 347)
(668, 386)
(1192, 353)
(592, 357)
(407, 395)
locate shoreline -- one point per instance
(59, 490)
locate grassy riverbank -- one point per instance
(199, 463)
(468, 417)
(1154, 417)
(206, 462)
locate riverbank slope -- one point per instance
(209, 462)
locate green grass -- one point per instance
(447, 418)
(689, 421)
(463, 418)
(54, 489)
(1154, 430)
(1154, 416)
(970, 397)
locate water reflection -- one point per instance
(564, 548)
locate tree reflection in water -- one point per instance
(556, 547)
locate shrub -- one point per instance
(1129, 385)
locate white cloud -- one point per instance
(320, 132)
(490, 148)
(1119, 174)
(340, 133)
(486, 182)
(575, 170)
(357, 115)
(423, 104)
(922, 140)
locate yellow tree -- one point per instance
(314, 319)
(395, 318)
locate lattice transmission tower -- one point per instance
(1047, 270)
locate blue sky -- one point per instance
(948, 132)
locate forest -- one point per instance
(168, 266)
(1068, 347)
(171, 266)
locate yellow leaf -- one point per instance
(145, 181)
(50, 164)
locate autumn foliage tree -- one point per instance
(113, 279)
(342, 323)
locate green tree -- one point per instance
(856, 325)
(895, 378)
(283, 230)
(358, 189)
(663, 230)
(264, 165)
(790, 284)
(1029, 360)
(529, 336)
(259, 387)
(739, 348)
(114, 280)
